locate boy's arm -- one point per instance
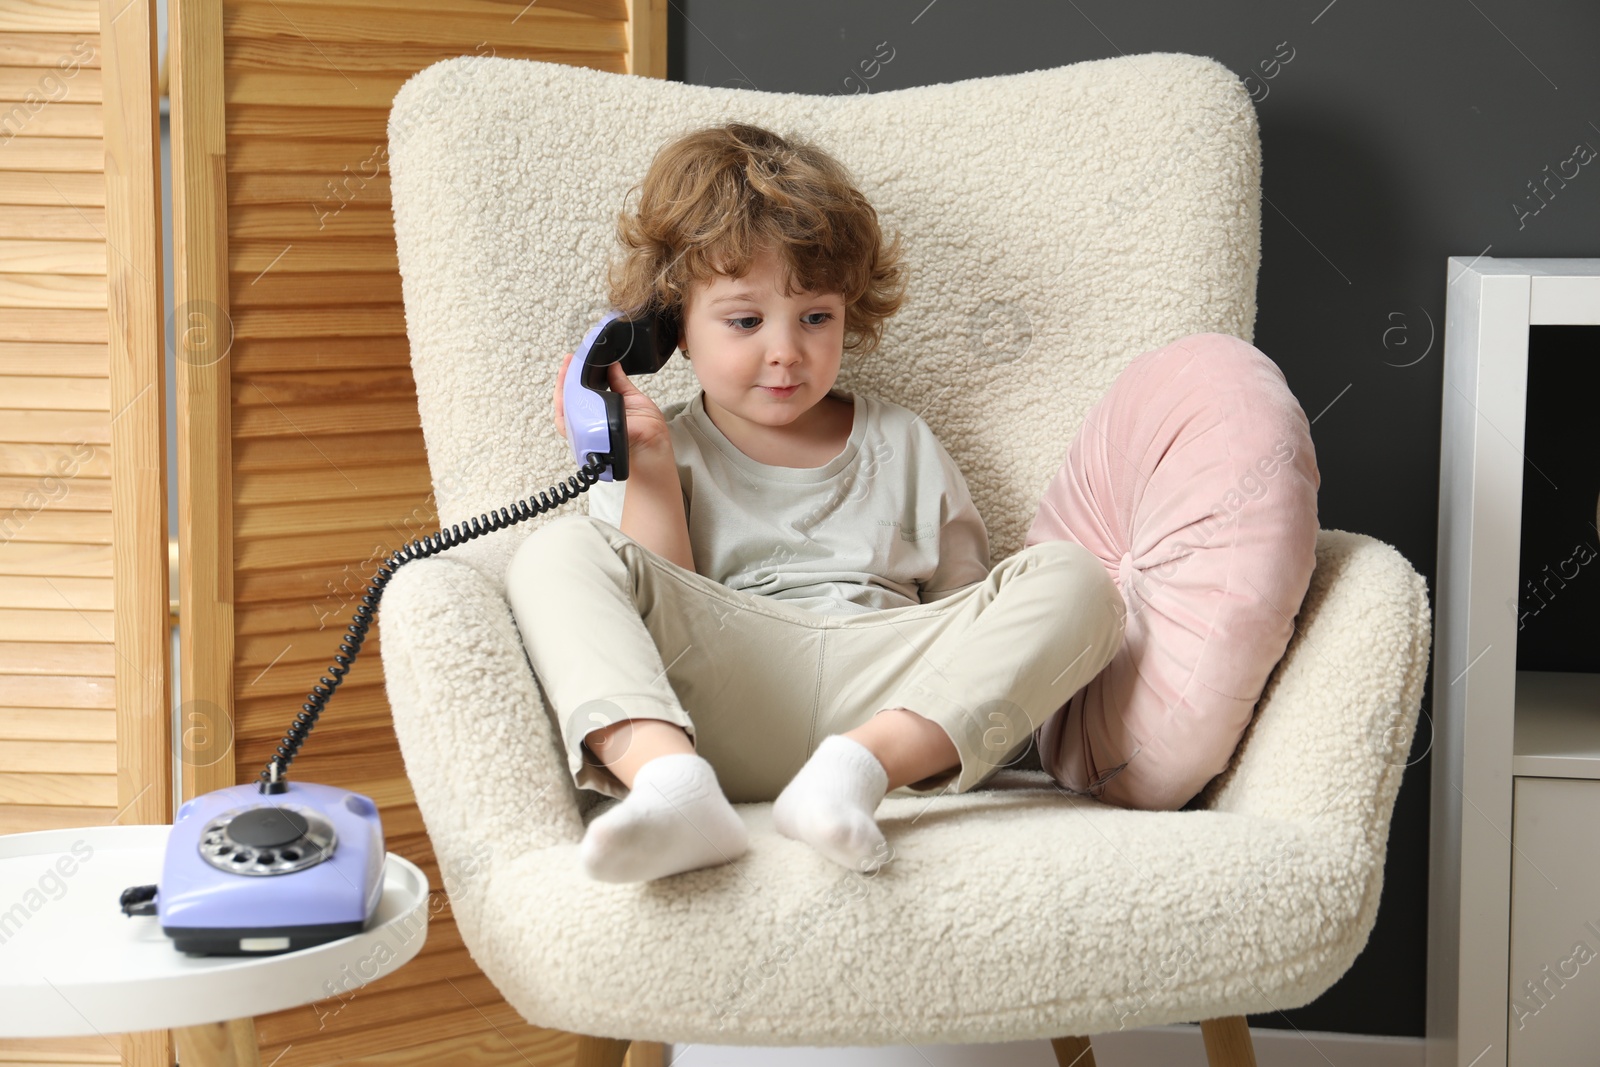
(652, 505)
(963, 538)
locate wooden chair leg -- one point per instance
(1228, 1042)
(1072, 1051)
(646, 1054)
(599, 1051)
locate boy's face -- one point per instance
(743, 334)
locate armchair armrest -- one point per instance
(1332, 733)
(480, 748)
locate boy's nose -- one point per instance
(785, 348)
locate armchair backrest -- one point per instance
(1057, 223)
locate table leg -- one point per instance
(229, 1044)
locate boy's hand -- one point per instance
(647, 427)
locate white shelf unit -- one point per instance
(1514, 871)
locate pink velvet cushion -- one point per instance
(1195, 481)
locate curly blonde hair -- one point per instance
(715, 199)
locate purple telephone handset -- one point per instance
(593, 413)
(277, 866)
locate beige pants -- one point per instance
(615, 631)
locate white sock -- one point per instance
(829, 804)
(674, 819)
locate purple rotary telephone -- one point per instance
(276, 866)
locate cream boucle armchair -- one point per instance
(1059, 222)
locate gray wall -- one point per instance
(1396, 136)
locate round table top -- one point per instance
(72, 964)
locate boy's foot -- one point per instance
(829, 804)
(674, 819)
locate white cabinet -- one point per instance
(1514, 873)
(1555, 923)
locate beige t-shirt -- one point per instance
(887, 523)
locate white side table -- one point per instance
(71, 963)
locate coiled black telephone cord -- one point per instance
(273, 777)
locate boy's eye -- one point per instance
(753, 319)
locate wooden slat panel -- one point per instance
(385, 792)
(333, 215)
(334, 419)
(52, 290)
(25, 324)
(81, 594)
(365, 125)
(86, 692)
(345, 546)
(613, 10)
(63, 790)
(441, 26)
(60, 394)
(43, 658)
(18, 557)
(55, 427)
(355, 452)
(280, 288)
(53, 118)
(270, 355)
(53, 1051)
(52, 491)
(319, 767)
(58, 757)
(82, 85)
(313, 89)
(54, 360)
(403, 518)
(360, 254)
(66, 528)
(52, 222)
(292, 60)
(248, 190)
(268, 692)
(312, 618)
(340, 483)
(53, 153)
(368, 745)
(56, 626)
(49, 16)
(58, 724)
(50, 188)
(21, 459)
(67, 53)
(309, 583)
(300, 389)
(53, 257)
(309, 649)
(263, 155)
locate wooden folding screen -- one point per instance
(85, 736)
(301, 457)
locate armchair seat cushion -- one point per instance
(1011, 910)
